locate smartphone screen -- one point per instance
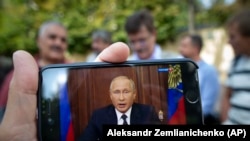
(68, 94)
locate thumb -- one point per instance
(19, 117)
(116, 53)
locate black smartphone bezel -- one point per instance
(191, 88)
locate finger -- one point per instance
(116, 53)
(22, 95)
(25, 72)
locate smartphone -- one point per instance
(69, 93)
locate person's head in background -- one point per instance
(101, 39)
(52, 43)
(122, 93)
(141, 33)
(190, 46)
(238, 27)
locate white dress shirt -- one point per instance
(119, 114)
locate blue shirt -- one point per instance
(209, 86)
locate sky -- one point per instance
(207, 3)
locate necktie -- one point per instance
(124, 119)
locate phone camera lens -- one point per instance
(192, 97)
(50, 121)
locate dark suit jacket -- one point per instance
(140, 114)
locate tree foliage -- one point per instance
(20, 20)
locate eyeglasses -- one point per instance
(54, 36)
(140, 41)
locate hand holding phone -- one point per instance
(21, 115)
(70, 94)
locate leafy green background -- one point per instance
(20, 19)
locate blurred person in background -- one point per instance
(142, 36)
(101, 39)
(52, 45)
(190, 47)
(235, 104)
(5, 66)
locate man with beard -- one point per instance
(52, 45)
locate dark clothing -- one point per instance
(140, 114)
(6, 65)
(4, 89)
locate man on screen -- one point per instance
(122, 94)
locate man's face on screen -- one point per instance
(122, 93)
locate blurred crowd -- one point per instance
(233, 95)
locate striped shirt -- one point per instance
(239, 82)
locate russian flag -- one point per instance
(176, 105)
(66, 126)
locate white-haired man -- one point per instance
(52, 44)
